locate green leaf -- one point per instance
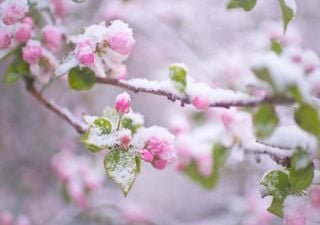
(104, 124)
(301, 171)
(276, 47)
(178, 76)
(129, 124)
(306, 116)
(17, 69)
(277, 184)
(81, 78)
(287, 14)
(219, 155)
(246, 5)
(121, 166)
(265, 120)
(264, 74)
(276, 207)
(295, 92)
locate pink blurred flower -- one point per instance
(122, 104)
(52, 36)
(85, 52)
(32, 52)
(6, 218)
(200, 102)
(120, 38)
(5, 40)
(76, 192)
(205, 164)
(314, 196)
(13, 11)
(23, 33)
(297, 217)
(159, 164)
(59, 8)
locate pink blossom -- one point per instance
(32, 52)
(85, 52)
(23, 33)
(5, 40)
(314, 196)
(6, 218)
(146, 155)
(59, 7)
(159, 164)
(119, 37)
(14, 11)
(77, 194)
(122, 104)
(28, 20)
(200, 102)
(296, 217)
(52, 36)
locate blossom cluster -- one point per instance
(79, 175)
(7, 218)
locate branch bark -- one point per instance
(61, 112)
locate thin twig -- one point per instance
(58, 110)
(186, 99)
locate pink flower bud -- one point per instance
(119, 37)
(14, 11)
(146, 155)
(23, 33)
(85, 53)
(23, 220)
(5, 40)
(159, 164)
(77, 194)
(32, 52)
(52, 37)
(200, 102)
(123, 103)
(28, 20)
(155, 145)
(314, 195)
(125, 140)
(226, 118)
(6, 218)
(205, 164)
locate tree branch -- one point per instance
(58, 110)
(186, 99)
(280, 156)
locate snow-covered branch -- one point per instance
(217, 97)
(63, 113)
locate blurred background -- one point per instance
(198, 33)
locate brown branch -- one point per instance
(58, 110)
(186, 99)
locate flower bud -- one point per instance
(123, 103)
(14, 11)
(85, 53)
(200, 102)
(5, 40)
(146, 155)
(314, 195)
(23, 33)
(6, 218)
(159, 164)
(32, 52)
(52, 37)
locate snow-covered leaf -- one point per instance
(122, 167)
